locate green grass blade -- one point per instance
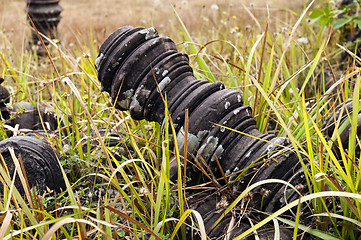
(201, 62)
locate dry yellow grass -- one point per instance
(103, 17)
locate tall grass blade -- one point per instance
(317, 233)
(295, 203)
(137, 223)
(5, 224)
(201, 62)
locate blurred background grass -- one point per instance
(103, 17)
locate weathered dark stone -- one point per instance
(32, 117)
(141, 82)
(343, 112)
(45, 15)
(40, 163)
(27, 117)
(155, 108)
(192, 101)
(4, 94)
(118, 51)
(146, 85)
(211, 206)
(123, 91)
(4, 99)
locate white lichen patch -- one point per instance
(222, 129)
(98, 60)
(150, 33)
(163, 83)
(202, 134)
(165, 72)
(193, 140)
(239, 98)
(248, 154)
(217, 154)
(135, 105)
(124, 103)
(227, 105)
(115, 64)
(282, 141)
(47, 125)
(209, 147)
(129, 93)
(278, 143)
(235, 112)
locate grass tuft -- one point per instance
(125, 190)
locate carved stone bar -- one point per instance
(39, 160)
(136, 66)
(26, 117)
(45, 14)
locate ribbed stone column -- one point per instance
(137, 67)
(45, 15)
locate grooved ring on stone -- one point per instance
(40, 162)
